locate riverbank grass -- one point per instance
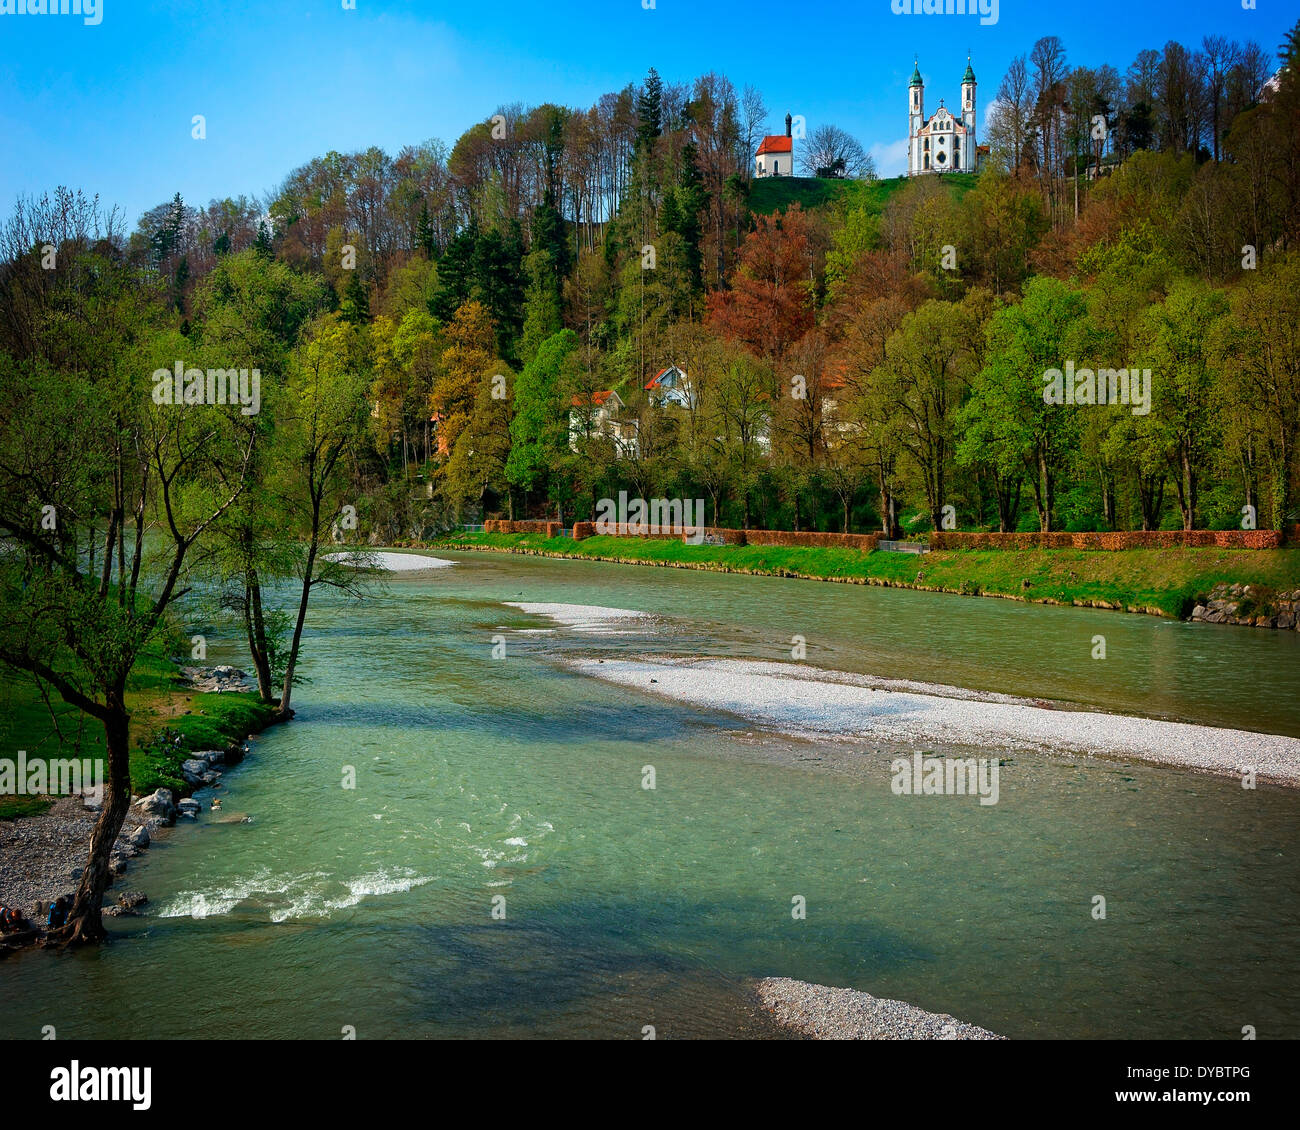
(1165, 582)
(158, 704)
(215, 721)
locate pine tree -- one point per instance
(649, 111)
(355, 306)
(541, 304)
(424, 230)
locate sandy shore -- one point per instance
(807, 702)
(826, 1013)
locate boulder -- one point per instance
(159, 804)
(193, 770)
(211, 756)
(1198, 613)
(189, 807)
(130, 900)
(139, 839)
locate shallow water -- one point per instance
(624, 907)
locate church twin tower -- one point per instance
(942, 143)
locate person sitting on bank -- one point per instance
(58, 915)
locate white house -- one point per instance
(602, 415)
(671, 386)
(775, 156)
(942, 143)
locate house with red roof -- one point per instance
(775, 156)
(671, 385)
(602, 414)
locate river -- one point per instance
(499, 870)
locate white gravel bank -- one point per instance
(826, 1013)
(390, 562)
(808, 702)
(591, 618)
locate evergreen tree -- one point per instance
(541, 304)
(455, 274)
(649, 111)
(355, 307)
(424, 230)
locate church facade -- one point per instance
(944, 142)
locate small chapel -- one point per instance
(775, 156)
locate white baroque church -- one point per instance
(942, 143)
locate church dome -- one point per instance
(916, 75)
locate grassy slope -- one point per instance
(772, 193)
(155, 700)
(1164, 581)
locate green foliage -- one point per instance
(539, 429)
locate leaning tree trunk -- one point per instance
(84, 923)
(284, 713)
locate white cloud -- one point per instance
(890, 158)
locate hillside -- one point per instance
(772, 194)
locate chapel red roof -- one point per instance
(776, 143)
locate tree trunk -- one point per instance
(1008, 496)
(1187, 490)
(1043, 495)
(286, 691)
(255, 625)
(84, 923)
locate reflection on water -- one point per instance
(479, 780)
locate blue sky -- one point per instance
(108, 108)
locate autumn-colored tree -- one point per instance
(466, 362)
(770, 304)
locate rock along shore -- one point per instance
(42, 856)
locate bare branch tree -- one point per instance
(833, 152)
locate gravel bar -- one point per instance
(41, 856)
(825, 1013)
(808, 702)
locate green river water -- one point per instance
(625, 907)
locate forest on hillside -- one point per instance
(863, 362)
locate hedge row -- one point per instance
(501, 526)
(865, 542)
(624, 530)
(689, 534)
(1111, 539)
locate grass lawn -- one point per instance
(770, 194)
(157, 702)
(1164, 581)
